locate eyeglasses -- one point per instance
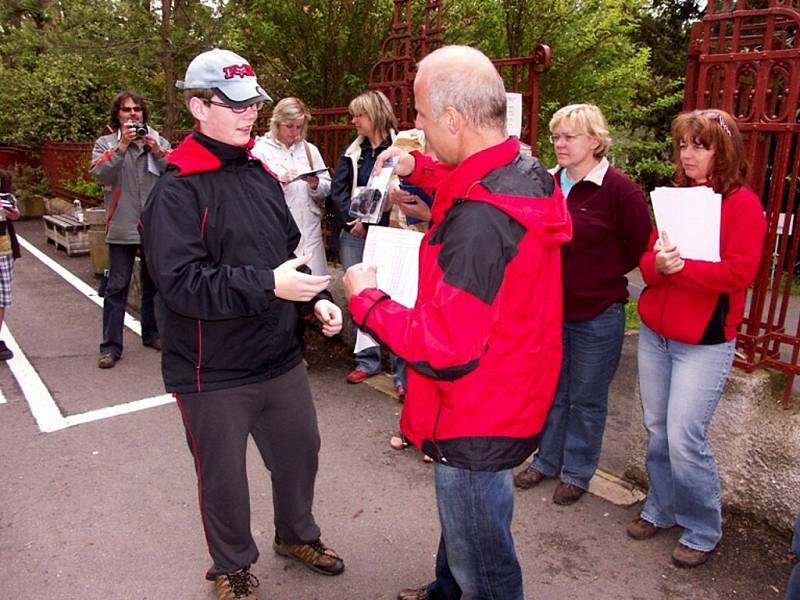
(127, 109)
(715, 116)
(237, 110)
(567, 137)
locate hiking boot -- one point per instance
(413, 594)
(239, 585)
(642, 529)
(686, 557)
(528, 478)
(567, 493)
(107, 360)
(155, 344)
(5, 353)
(316, 556)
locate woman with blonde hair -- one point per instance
(611, 224)
(690, 311)
(375, 124)
(302, 173)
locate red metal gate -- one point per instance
(744, 58)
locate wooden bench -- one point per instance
(67, 233)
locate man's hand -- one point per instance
(668, 257)
(405, 162)
(127, 134)
(357, 279)
(330, 316)
(152, 142)
(12, 213)
(291, 284)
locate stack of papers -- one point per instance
(691, 218)
(395, 254)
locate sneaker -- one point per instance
(239, 585)
(413, 594)
(686, 557)
(567, 493)
(107, 360)
(528, 478)
(642, 529)
(316, 556)
(400, 391)
(5, 353)
(356, 376)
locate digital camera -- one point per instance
(7, 200)
(141, 129)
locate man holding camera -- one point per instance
(128, 163)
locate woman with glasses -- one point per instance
(375, 125)
(611, 225)
(302, 173)
(690, 311)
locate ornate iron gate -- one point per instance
(744, 58)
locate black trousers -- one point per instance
(280, 415)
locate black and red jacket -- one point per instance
(483, 341)
(214, 228)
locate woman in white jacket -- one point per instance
(287, 153)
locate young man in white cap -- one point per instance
(219, 239)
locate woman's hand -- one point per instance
(668, 257)
(358, 230)
(411, 205)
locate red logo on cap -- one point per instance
(242, 71)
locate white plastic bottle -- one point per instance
(78, 210)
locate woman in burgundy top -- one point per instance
(611, 225)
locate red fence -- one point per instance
(747, 61)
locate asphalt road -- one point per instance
(104, 505)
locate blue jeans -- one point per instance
(793, 589)
(351, 252)
(572, 436)
(680, 385)
(120, 265)
(476, 559)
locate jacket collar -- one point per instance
(199, 153)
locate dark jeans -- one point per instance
(476, 559)
(793, 589)
(280, 416)
(120, 265)
(572, 437)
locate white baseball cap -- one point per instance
(228, 74)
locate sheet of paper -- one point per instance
(395, 254)
(514, 114)
(691, 218)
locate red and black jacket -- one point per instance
(214, 228)
(483, 341)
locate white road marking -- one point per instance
(88, 291)
(42, 404)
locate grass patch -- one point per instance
(632, 320)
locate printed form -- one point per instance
(395, 254)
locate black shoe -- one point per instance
(5, 353)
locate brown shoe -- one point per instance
(686, 557)
(107, 360)
(316, 556)
(239, 585)
(642, 529)
(567, 494)
(528, 478)
(413, 594)
(154, 344)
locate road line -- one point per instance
(88, 291)
(119, 409)
(43, 407)
(41, 402)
